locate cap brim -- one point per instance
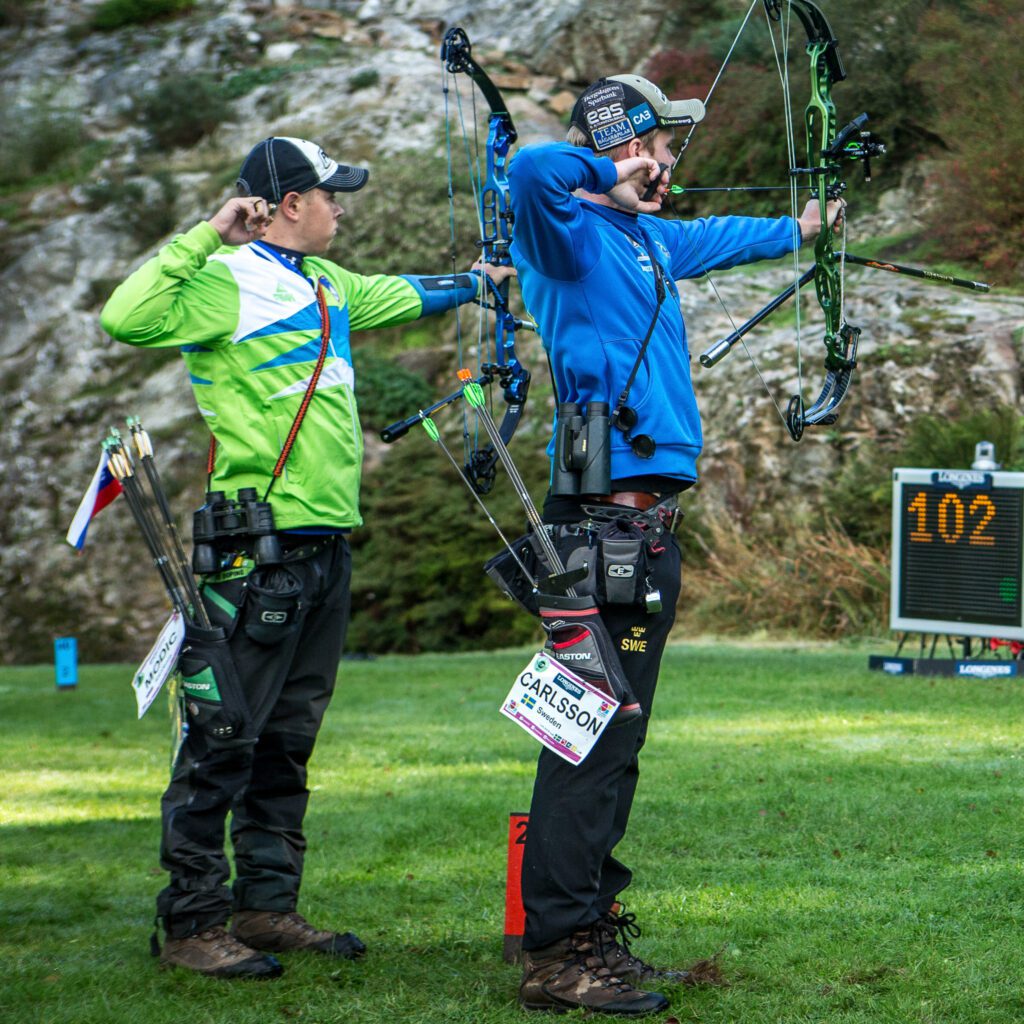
(681, 112)
(345, 179)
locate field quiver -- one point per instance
(578, 638)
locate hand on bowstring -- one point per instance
(242, 219)
(635, 174)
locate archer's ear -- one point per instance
(290, 205)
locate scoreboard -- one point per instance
(957, 552)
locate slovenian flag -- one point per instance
(103, 489)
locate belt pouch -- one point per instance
(273, 605)
(623, 562)
(621, 569)
(214, 701)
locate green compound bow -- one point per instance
(826, 150)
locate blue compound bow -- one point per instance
(495, 220)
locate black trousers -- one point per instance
(260, 780)
(579, 812)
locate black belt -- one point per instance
(296, 548)
(662, 515)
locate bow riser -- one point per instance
(496, 235)
(826, 68)
(820, 126)
(495, 199)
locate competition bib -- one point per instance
(557, 708)
(159, 663)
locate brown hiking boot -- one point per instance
(572, 973)
(219, 955)
(618, 928)
(282, 933)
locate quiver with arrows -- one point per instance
(578, 639)
(215, 704)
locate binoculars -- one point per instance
(220, 518)
(582, 463)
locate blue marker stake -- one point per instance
(65, 659)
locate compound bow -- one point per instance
(495, 222)
(826, 148)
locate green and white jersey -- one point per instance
(248, 327)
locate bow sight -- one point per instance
(863, 148)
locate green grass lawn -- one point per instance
(850, 841)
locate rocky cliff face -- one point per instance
(362, 78)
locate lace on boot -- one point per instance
(591, 947)
(622, 927)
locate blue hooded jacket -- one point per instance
(586, 278)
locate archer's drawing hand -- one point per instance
(635, 175)
(242, 219)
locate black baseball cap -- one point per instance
(616, 109)
(280, 164)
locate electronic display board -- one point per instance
(957, 552)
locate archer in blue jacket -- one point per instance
(598, 274)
